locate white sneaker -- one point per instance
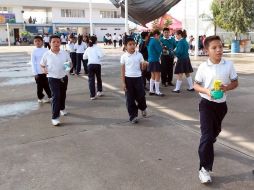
(144, 113)
(134, 120)
(40, 100)
(46, 100)
(92, 98)
(99, 94)
(55, 122)
(204, 176)
(63, 112)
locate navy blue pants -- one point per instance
(135, 93)
(79, 59)
(94, 70)
(211, 116)
(58, 89)
(42, 83)
(167, 65)
(74, 62)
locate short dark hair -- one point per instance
(52, 37)
(209, 39)
(144, 34)
(38, 37)
(156, 31)
(128, 39)
(165, 29)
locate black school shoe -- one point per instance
(176, 91)
(151, 93)
(134, 120)
(171, 84)
(159, 94)
(191, 90)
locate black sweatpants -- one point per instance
(79, 59)
(58, 88)
(135, 93)
(167, 65)
(211, 116)
(42, 83)
(146, 75)
(73, 60)
(94, 70)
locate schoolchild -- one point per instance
(131, 65)
(39, 76)
(183, 64)
(80, 48)
(71, 49)
(167, 58)
(146, 75)
(154, 66)
(52, 64)
(94, 54)
(46, 41)
(212, 108)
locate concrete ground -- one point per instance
(96, 148)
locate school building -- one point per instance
(51, 16)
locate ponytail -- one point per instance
(92, 41)
(183, 33)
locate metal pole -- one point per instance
(90, 11)
(196, 28)
(8, 34)
(126, 17)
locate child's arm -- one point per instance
(43, 64)
(33, 62)
(123, 77)
(85, 55)
(230, 86)
(201, 89)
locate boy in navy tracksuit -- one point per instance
(131, 65)
(212, 109)
(167, 58)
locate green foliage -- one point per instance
(155, 24)
(235, 15)
(25, 34)
(167, 23)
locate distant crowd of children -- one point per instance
(158, 56)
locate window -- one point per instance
(5, 10)
(117, 28)
(104, 29)
(109, 14)
(77, 13)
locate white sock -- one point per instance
(152, 85)
(178, 85)
(189, 79)
(157, 87)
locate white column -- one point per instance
(8, 34)
(90, 17)
(196, 27)
(126, 17)
(184, 15)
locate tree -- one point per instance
(155, 24)
(236, 16)
(167, 23)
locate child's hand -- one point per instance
(223, 88)
(124, 87)
(208, 93)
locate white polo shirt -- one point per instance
(46, 39)
(208, 72)
(36, 57)
(80, 48)
(132, 64)
(93, 54)
(55, 63)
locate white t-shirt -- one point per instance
(63, 38)
(93, 54)
(132, 64)
(114, 37)
(208, 72)
(80, 48)
(55, 63)
(36, 57)
(46, 39)
(70, 47)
